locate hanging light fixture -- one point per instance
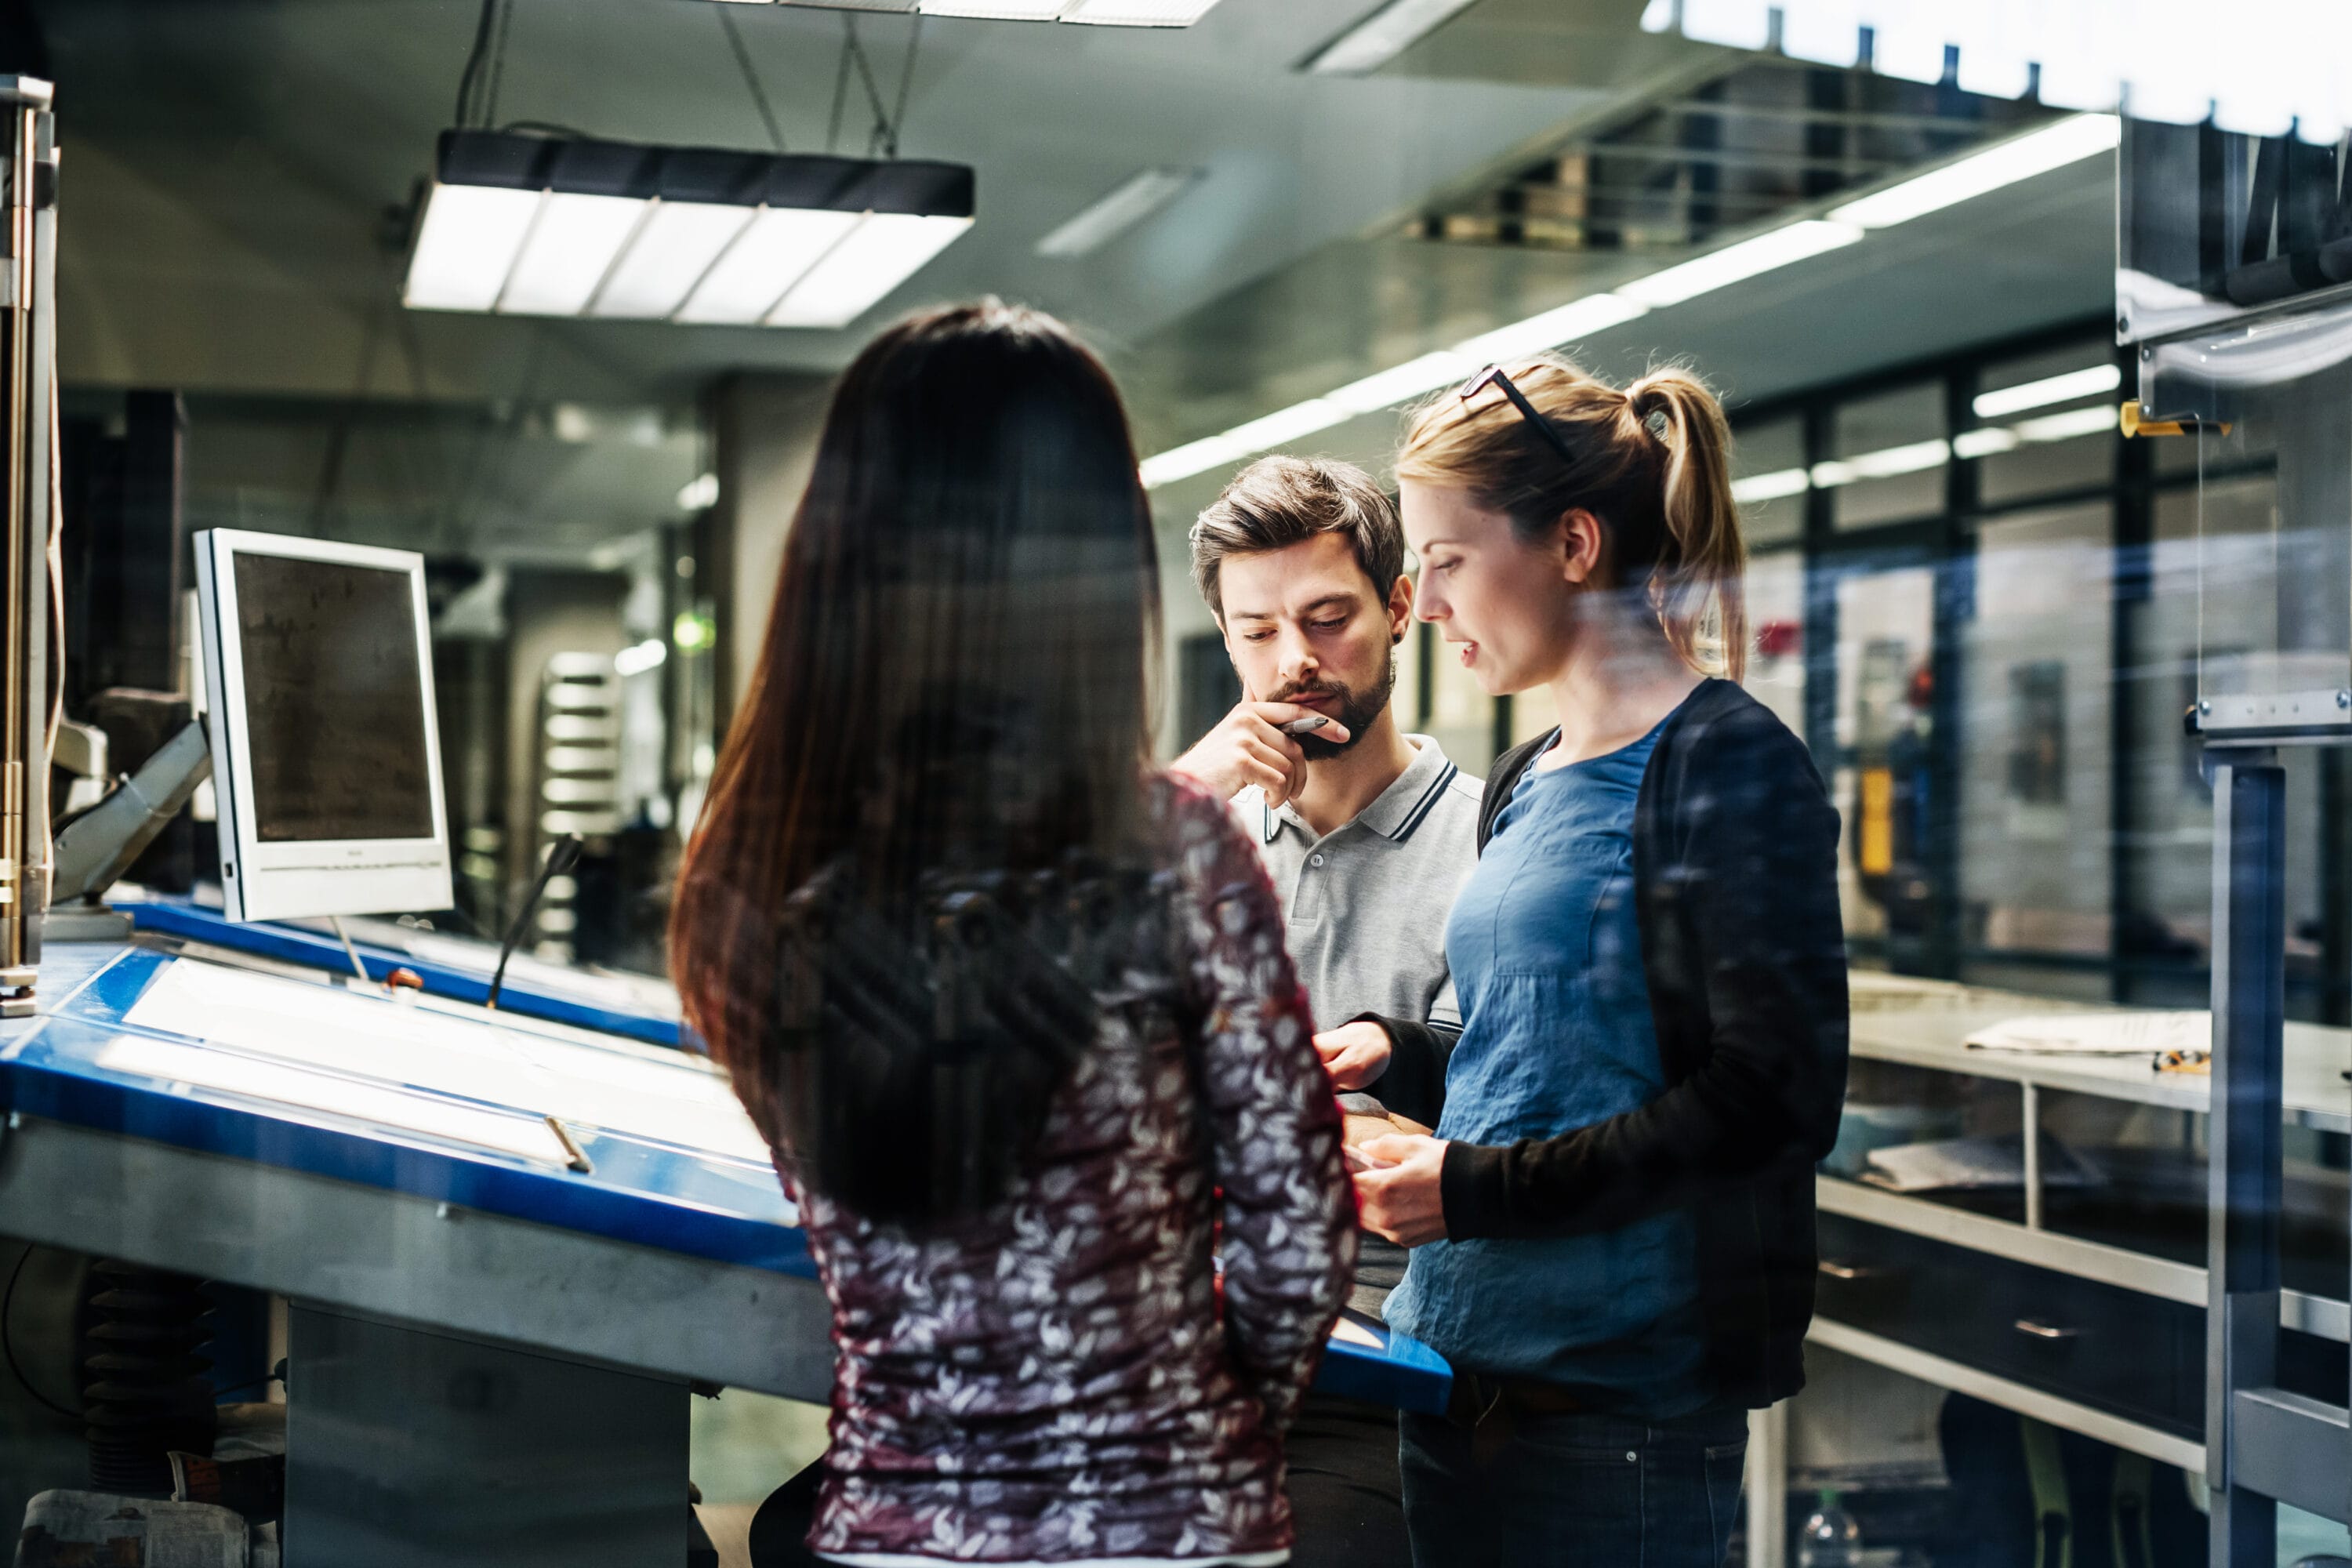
(557, 226)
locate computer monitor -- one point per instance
(326, 753)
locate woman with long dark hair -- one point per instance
(1013, 1010)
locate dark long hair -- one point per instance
(940, 756)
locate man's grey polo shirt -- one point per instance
(1366, 902)
(1367, 906)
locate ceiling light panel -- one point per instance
(1138, 13)
(1136, 199)
(1577, 319)
(1383, 34)
(564, 226)
(2089, 382)
(774, 251)
(2070, 140)
(466, 245)
(1399, 384)
(677, 246)
(1735, 263)
(995, 10)
(572, 247)
(866, 268)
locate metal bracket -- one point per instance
(99, 845)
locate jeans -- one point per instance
(1567, 1491)
(1343, 1486)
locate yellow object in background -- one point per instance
(1877, 821)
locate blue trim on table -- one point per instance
(265, 939)
(642, 1192)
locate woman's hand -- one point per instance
(1354, 1054)
(1400, 1197)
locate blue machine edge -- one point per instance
(264, 940)
(1404, 1373)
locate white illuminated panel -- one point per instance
(1410, 379)
(1138, 13)
(572, 247)
(467, 246)
(2070, 140)
(1734, 263)
(857, 274)
(674, 248)
(528, 1065)
(996, 10)
(769, 257)
(1576, 320)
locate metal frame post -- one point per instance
(2243, 1172)
(27, 446)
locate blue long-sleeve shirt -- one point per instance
(1545, 951)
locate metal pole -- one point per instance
(2241, 1323)
(27, 384)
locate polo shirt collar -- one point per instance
(1396, 810)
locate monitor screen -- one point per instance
(334, 701)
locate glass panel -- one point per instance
(2033, 786)
(2045, 423)
(2275, 549)
(1885, 627)
(1461, 717)
(1776, 625)
(1888, 456)
(1768, 477)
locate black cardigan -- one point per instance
(1734, 873)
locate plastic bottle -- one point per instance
(1831, 1539)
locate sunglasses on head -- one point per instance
(1493, 376)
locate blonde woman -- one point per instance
(1614, 1221)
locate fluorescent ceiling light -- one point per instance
(1138, 13)
(574, 226)
(698, 492)
(1735, 24)
(768, 258)
(1572, 322)
(1734, 263)
(2086, 383)
(466, 246)
(1986, 442)
(1883, 464)
(1777, 485)
(1192, 457)
(994, 10)
(1382, 36)
(1286, 425)
(1137, 199)
(2067, 427)
(866, 268)
(1400, 383)
(674, 250)
(2021, 158)
(572, 247)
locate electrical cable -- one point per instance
(499, 63)
(8, 1347)
(474, 60)
(873, 95)
(905, 82)
(751, 77)
(840, 84)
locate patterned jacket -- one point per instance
(1066, 1378)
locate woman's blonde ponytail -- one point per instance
(1697, 587)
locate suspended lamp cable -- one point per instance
(499, 63)
(905, 83)
(751, 77)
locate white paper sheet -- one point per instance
(685, 1101)
(2136, 1033)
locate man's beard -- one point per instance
(1358, 713)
